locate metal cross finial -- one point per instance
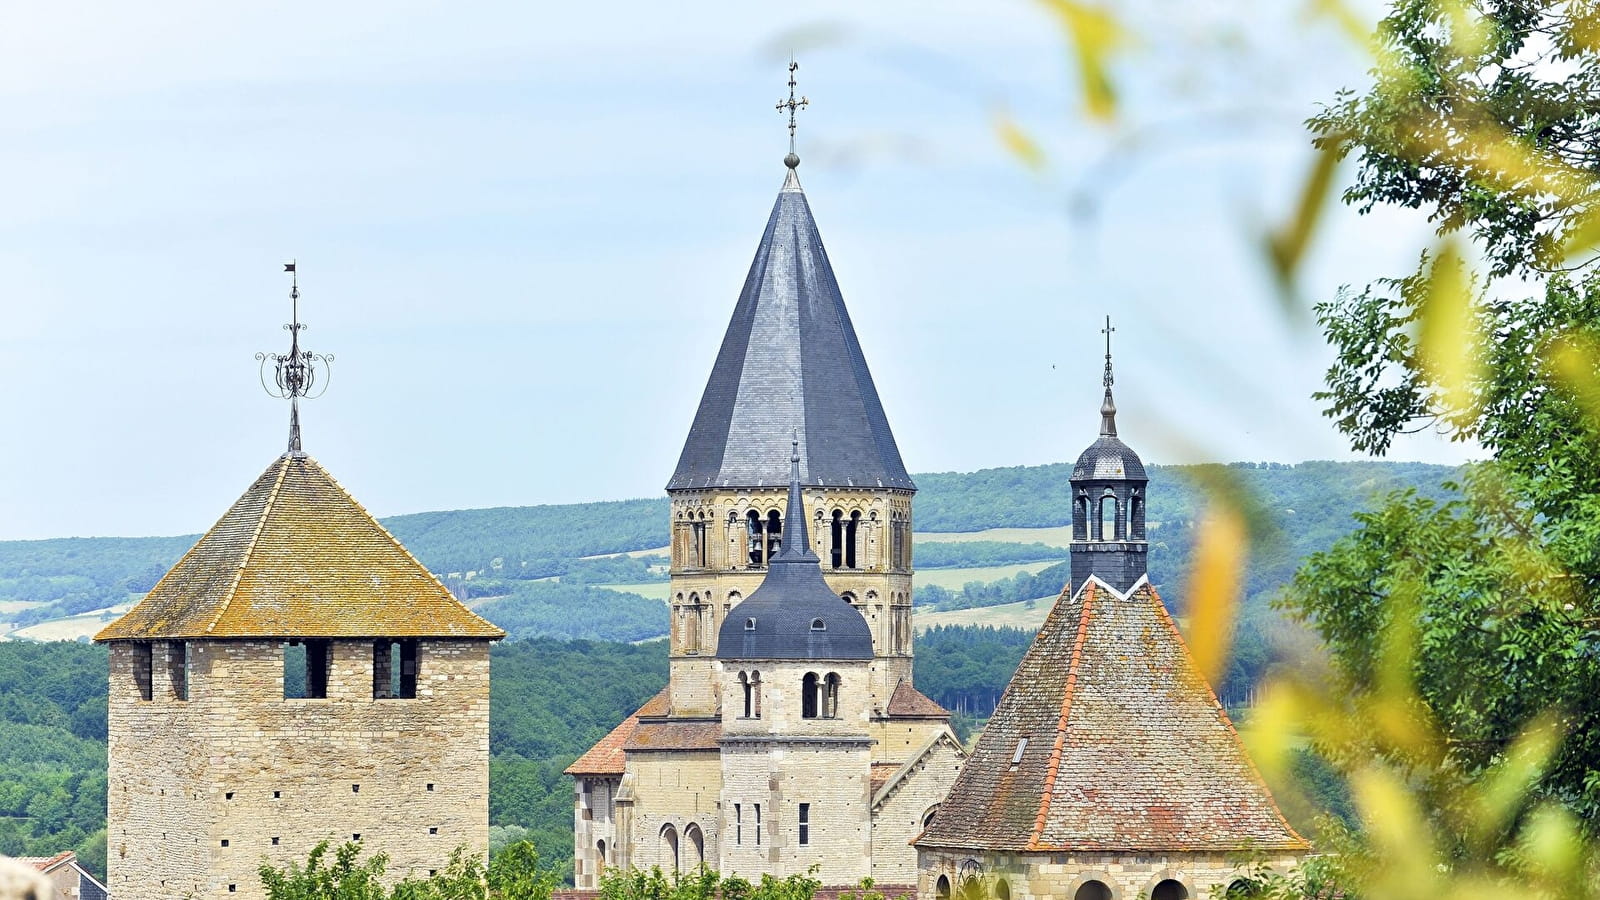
(791, 105)
(295, 373)
(1107, 332)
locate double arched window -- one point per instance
(845, 533)
(750, 685)
(819, 696)
(764, 536)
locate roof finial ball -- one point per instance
(790, 106)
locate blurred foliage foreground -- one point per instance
(1457, 693)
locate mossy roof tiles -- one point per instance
(297, 556)
(1127, 748)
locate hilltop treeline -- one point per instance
(1304, 506)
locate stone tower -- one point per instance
(1109, 769)
(1108, 500)
(661, 788)
(790, 367)
(296, 677)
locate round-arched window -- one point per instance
(818, 625)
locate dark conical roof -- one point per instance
(790, 363)
(780, 618)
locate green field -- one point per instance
(1057, 536)
(656, 590)
(1009, 615)
(953, 579)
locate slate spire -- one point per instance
(790, 363)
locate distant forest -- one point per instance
(1298, 509)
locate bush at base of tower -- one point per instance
(704, 884)
(513, 874)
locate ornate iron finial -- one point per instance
(1108, 380)
(1108, 407)
(791, 105)
(295, 373)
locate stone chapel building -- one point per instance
(1109, 770)
(296, 677)
(791, 736)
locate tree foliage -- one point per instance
(1486, 114)
(513, 873)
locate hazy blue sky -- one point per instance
(521, 229)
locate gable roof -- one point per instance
(909, 703)
(297, 556)
(1107, 739)
(790, 364)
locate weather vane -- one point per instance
(295, 373)
(791, 105)
(1107, 332)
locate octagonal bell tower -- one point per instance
(1108, 502)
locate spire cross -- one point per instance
(295, 373)
(792, 104)
(1107, 380)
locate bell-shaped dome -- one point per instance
(1108, 458)
(794, 614)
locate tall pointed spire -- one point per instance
(295, 373)
(796, 538)
(790, 360)
(1108, 407)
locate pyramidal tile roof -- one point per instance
(790, 364)
(1108, 740)
(297, 556)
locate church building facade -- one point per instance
(752, 761)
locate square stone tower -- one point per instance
(297, 677)
(684, 780)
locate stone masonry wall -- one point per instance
(1058, 876)
(677, 789)
(898, 818)
(832, 778)
(263, 778)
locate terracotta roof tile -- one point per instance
(881, 773)
(675, 734)
(297, 556)
(606, 757)
(46, 863)
(1107, 739)
(909, 703)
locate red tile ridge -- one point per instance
(1066, 710)
(250, 549)
(1183, 647)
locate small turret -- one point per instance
(1108, 502)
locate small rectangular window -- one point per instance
(394, 669)
(142, 674)
(178, 668)
(758, 823)
(306, 666)
(805, 824)
(738, 824)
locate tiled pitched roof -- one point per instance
(46, 863)
(909, 703)
(675, 734)
(606, 757)
(297, 556)
(1127, 748)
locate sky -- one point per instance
(521, 228)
